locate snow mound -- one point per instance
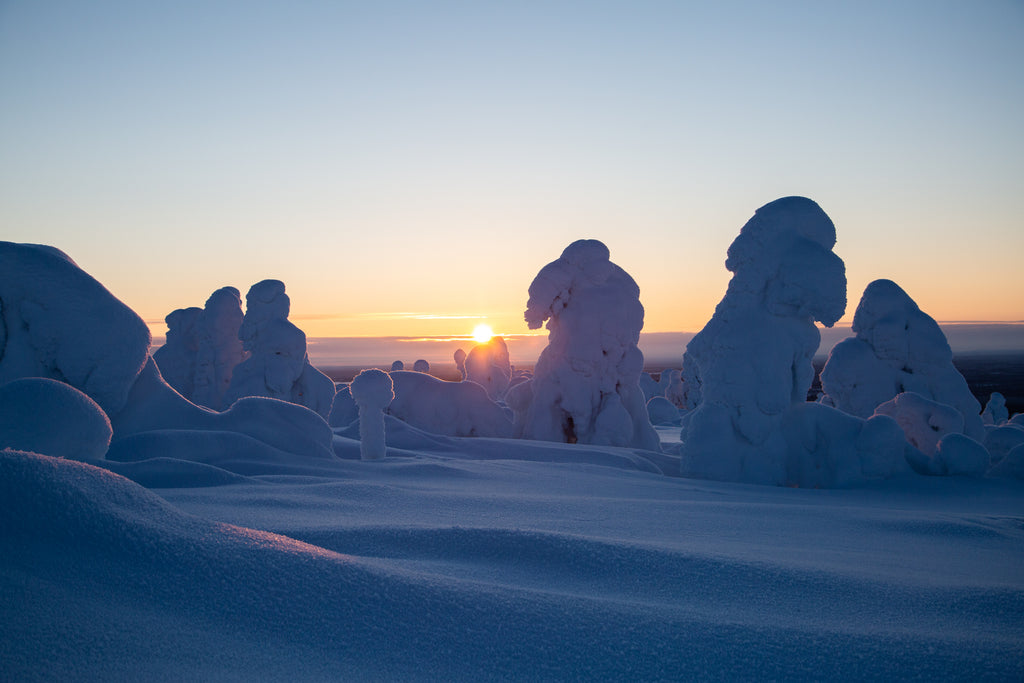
(1011, 466)
(56, 321)
(50, 417)
(897, 348)
(448, 408)
(956, 454)
(344, 410)
(662, 412)
(923, 421)
(586, 383)
(830, 449)
(1001, 440)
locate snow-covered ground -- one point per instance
(487, 559)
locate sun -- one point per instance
(482, 333)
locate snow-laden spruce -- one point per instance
(897, 348)
(177, 357)
(586, 384)
(202, 348)
(748, 371)
(995, 412)
(373, 391)
(220, 349)
(278, 365)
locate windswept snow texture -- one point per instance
(586, 383)
(751, 364)
(277, 366)
(897, 348)
(441, 564)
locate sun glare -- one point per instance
(482, 333)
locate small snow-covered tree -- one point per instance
(372, 391)
(586, 384)
(278, 365)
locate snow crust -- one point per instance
(586, 383)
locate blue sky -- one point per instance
(389, 159)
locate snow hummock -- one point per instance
(924, 422)
(450, 408)
(897, 348)
(32, 407)
(586, 383)
(750, 366)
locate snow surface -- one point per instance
(463, 561)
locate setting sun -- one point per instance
(482, 333)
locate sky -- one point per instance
(406, 168)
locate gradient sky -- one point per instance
(393, 162)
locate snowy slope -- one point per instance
(486, 559)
